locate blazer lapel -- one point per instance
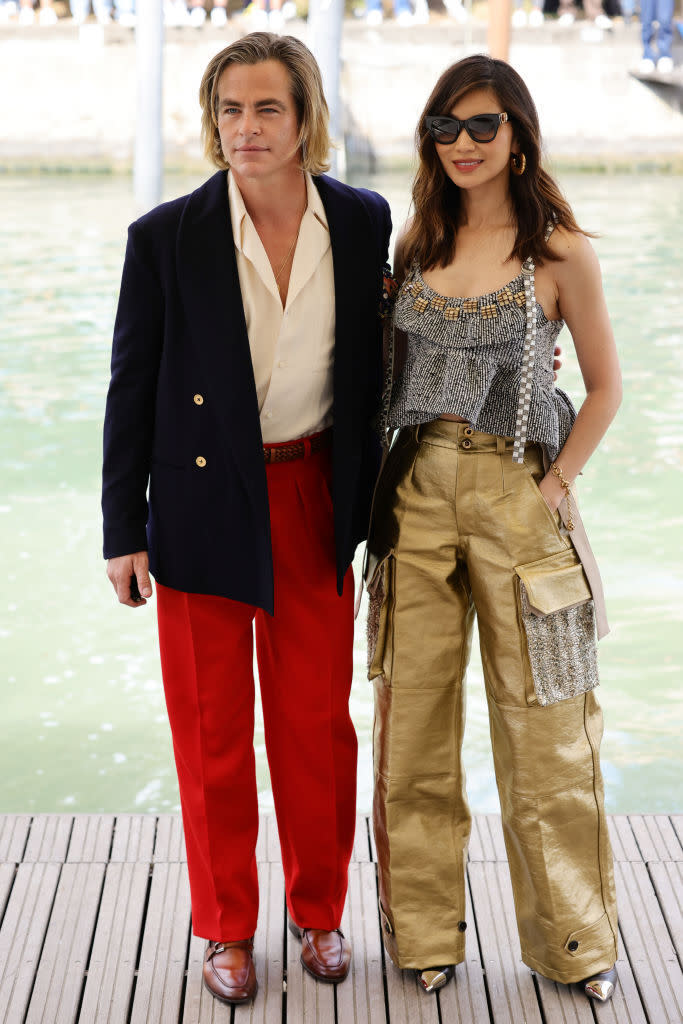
(342, 222)
(209, 287)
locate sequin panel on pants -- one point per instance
(455, 523)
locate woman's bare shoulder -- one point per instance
(571, 245)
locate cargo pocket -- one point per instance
(593, 941)
(380, 586)
(559, 620)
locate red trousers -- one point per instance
(305, 660)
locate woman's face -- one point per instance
(470, 164)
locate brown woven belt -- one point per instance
(291, 450)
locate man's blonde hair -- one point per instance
(307, 91)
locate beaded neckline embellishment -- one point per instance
(486, 306)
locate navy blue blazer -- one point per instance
(180, 331)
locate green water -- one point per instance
(84, 724)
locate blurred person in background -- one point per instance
(657, 40)
(592, 9)
(218, 15)
(46, 13)
(404, 13)
(103, 9)
(408, 14)
(520, 18)
(627, 9)
(269, 14)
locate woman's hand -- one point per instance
(557, 362)
(552, 491)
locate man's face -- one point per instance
(257, 119)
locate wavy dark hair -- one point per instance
(535, 197)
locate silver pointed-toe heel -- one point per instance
(433, 978)
(601, 986)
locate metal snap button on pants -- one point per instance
(456, 525)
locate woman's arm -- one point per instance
(400, 268)
(583, 308)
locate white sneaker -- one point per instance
(665, 65)
(276, 21)
(406, 19)
(219, 17)
(536, 18)
(289, 11)
(175, 13)
(197, 17)
(103, 17)
(603, 22)
(421, 13)
(566, 19)
(646, 66)
(456, 10)
(126, 20)
(374, 18)
(258, 20)
(519, 18)
(47, 16)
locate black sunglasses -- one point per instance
(482, 128)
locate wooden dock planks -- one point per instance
(95, 929)
(361, 997)
(510, 984)
(113, 960)
(24, 924)
(161, 971)
(64, 956)
(648, 946)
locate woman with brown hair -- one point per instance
(475, 514)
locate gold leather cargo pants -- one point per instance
(456, 526)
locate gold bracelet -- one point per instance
(566, 487)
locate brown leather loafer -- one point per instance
(229, 971)
(325, 955)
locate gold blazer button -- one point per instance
(199, 399)
(200, 460)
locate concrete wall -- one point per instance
(68, 95)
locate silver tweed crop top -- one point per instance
(487, 359)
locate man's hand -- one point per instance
(557, 362)
(128, 572)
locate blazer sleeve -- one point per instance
(380, 215)
(130, 408)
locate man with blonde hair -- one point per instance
(245, 373)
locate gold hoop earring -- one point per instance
(517, 163)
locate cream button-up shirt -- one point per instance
(292, 349)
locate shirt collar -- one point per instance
(238, 211)
(315, 203)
